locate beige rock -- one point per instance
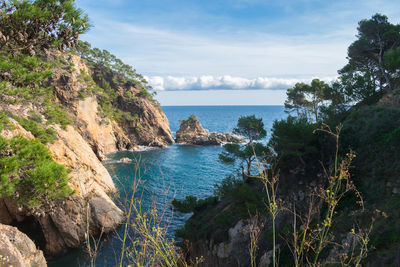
(192, 132)
(100, 132)
(125, 160)
(17, 250)
(63, 223)
(7, 133)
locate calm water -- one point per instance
(180, 170)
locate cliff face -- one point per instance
(151, 127)
(80, 147)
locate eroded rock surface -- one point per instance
(81, 147)
(192, 132)
(17, 250)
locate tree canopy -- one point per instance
(32, 26)
(253, 129)
(306, 99)
(373, 58)
(250, 127)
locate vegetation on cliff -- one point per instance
(37, 39)
(28, 172)
(322, 182)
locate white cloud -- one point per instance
(208, 82)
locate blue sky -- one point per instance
(229, 52)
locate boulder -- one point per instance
(17, 250)
(125, 160)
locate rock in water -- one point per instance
(192, 132)
(125, 160)
(16, 249)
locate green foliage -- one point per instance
(370, 68)
(245, 153)
(251, 128)
(35, 116)
(4, 121)
(108, 65)
(227, 186)
(56, 114)
(308, 99)
(28, 27)
(377, 127)
(29, 174)
(44, 135)
(392, 60)
(213, 218)
(192, 204)
(144, 93)
(109, 73)
(294, 142)
(193, 118)
(23, 77)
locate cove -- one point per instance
(175, 171)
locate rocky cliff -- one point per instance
(80, 145)
(192, 132)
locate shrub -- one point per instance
(44, 135)
(4, 122)
(191, 204)
(227, 186)
(294, 142)
(35, 116)
(29, 174)
(56, 115)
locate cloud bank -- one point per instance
(226, 82)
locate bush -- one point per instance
(44, 135)
(4, 122)
(373, 133)
(29, 174)
(294, 142)
(191, 204)
(56, 115)
(227, 186)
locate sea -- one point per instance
(173, 172)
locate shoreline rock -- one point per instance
(125, 160)
(80, 147)
(18, 250)
(192, 132)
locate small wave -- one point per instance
(109, 161)
(181, 144)
(145, 148)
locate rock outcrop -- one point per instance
(17, 250)
(63, 223)
(104, 134)
(80, 147)
(234, 251)
(192, 132)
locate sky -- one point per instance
(230, 52)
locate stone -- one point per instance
(125, 160)
(192, 132)
(17, 250)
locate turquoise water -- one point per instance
(180, 170)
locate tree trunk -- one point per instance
(380, 62)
